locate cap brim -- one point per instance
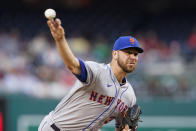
(140, 50)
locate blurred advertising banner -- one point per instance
(24, 113)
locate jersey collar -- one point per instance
(124, 81)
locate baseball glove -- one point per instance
(131, 118)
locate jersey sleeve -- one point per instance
(83, 76)
(89, 71)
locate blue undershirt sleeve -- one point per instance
(83, 76)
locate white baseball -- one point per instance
(50, 14)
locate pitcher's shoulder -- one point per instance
(96, 64)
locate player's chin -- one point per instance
(130, 69)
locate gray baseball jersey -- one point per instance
(95, 102)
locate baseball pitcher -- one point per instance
(101, 92)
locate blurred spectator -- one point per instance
(80, 47)
(101, 49)
(191, 45)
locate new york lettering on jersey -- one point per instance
(106, 100)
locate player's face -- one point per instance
(127, 59)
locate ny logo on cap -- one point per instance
(132, 40)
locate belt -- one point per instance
(55, 127)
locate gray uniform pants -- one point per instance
(46, 123)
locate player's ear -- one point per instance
(115, 54)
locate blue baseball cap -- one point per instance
(125, 42)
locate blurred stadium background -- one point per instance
(33, 78)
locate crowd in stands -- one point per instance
(31, 64)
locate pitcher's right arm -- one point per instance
(68, 57)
